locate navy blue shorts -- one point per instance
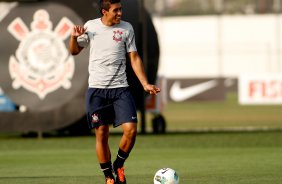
(110, 106)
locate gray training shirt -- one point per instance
(108, 48)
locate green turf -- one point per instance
(224, 115)
(199, 158)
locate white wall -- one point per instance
(226, 46)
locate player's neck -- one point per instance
(107, 22)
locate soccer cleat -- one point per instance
(120, 179)
(110, 181)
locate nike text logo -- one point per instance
(179, 94)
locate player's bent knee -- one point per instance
(130, 130)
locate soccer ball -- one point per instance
(166, 176)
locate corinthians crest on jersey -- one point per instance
(41, 63)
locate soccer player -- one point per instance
(110, 39)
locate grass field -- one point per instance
(200, 152)
(225, 115)
(199, 158)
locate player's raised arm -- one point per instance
(138, 69)
(73, 44)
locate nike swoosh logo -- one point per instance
(165, 170)
(180, 94)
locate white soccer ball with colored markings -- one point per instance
(166, 176)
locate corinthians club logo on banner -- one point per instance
(42, 63)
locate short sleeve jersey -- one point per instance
(107, 57)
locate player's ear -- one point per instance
(103, 11)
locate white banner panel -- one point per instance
(260, 89)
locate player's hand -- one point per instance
(152, 89)
(77, 31)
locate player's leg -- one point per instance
(96, 105)
(103, 150)
(128, 137)
(127, 142)
(126, 116)
(125, 146)
(102, 146)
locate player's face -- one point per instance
(114, 14)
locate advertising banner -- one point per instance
(196, 89)
(260, 89)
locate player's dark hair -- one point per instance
(105, 4)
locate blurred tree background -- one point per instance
(211, 7)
